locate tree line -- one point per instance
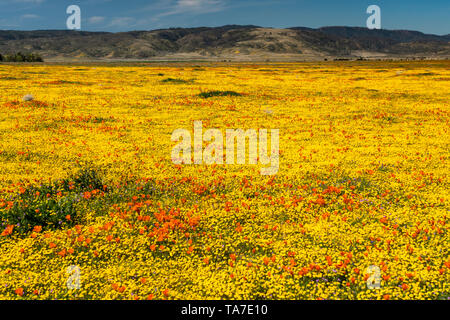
(21, 57)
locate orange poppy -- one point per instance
(62, 253)
(19, 291)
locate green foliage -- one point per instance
(49, 205)
(21, 57)
(210, 94)
(30, 211)
(172, 80)
(84, 180)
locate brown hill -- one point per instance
(228, 42)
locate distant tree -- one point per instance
(33, 57)
(20, 57)
(39, 58)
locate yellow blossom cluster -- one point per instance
(92, 206)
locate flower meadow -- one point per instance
(88, 188)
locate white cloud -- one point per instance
(29, 1)
(24, 2)
(29, 16)
(195, 7)
(122, 22)
(96, 19)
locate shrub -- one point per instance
(210, 94)
(85, 179)
(20, 57)
(51, 206)
(171, 80)
(31, 210)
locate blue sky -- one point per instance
(432, 16)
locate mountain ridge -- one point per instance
(229, 42)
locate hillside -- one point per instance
(228, 42)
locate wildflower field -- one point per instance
(87, 184)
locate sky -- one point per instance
(431, 16)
